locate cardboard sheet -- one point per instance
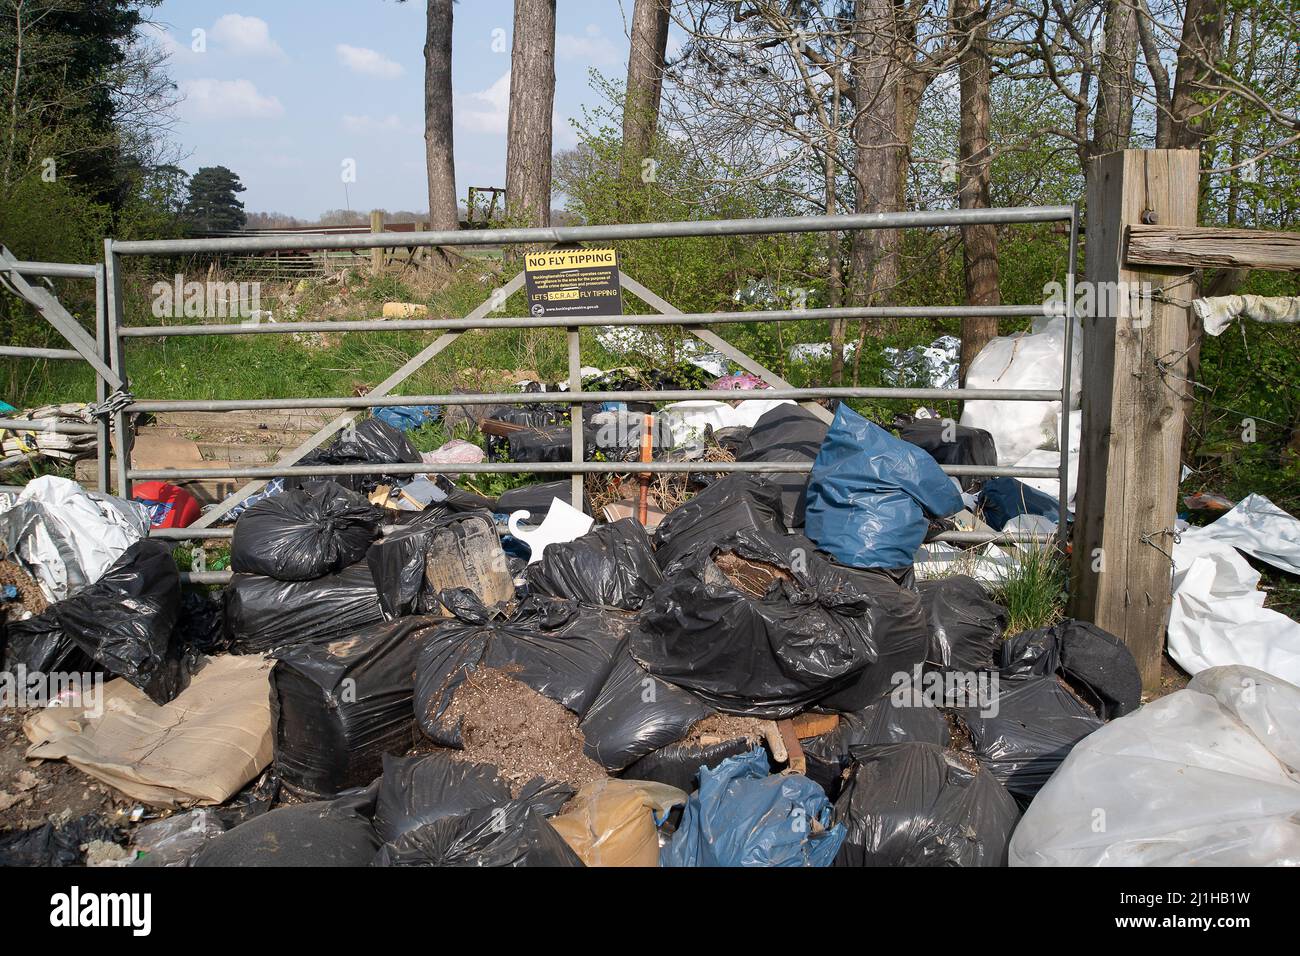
(202, 748)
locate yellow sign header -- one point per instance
(556, 259)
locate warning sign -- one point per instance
(573, 282)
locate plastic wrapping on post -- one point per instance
(264, 614)
(329, 833)
(769, 656)
(125, 622)
(420, 789)
(514, 833)
(560, 649)
(613, 565)
(916, 804)
(1028, 731)
(744, 816)
(1095, 663)
(731, 504)
(370, 441)
(869, 494)
(883, 722)
(965, 627)
(304, 534)
(951, 444)
(634, 714)
(338, 704)
(1207, 776)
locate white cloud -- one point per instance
(245, 36)
(358, 59)
(371, 124)
(227, 99)
(592, 48)
(487, 111)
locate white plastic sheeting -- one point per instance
(687, 420)
(66, 537)
(562, 523)
(1209, 775)
(1027, 360)
(1218, 616)
(1261, 529)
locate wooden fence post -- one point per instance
(1135, 341)
(376, 255)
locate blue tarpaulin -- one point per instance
(869, 494)
(406, 417)
(742, 815)
(1003, 498)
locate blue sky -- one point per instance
(284, 92)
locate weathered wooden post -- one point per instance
(1135, 341)
(376, 255)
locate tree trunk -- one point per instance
(1199, 49)
(873, 254)
(645, 78)
(1114, 122)
(979, 243)
(439, 155)
(532, 98)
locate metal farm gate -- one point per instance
(107, 352)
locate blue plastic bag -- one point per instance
(406, 417)
(1004, 498)
(869, 494)
(744, 816)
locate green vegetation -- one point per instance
(1032, 589)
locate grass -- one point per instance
(1032, 589)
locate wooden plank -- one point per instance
(1207, 247)
(1134, 385)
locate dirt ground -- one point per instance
(32, 792)
(523, 734)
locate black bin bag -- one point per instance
(536, 500)
(420, 789)
(896, 621)
(339, 704)
(369, 442)
(263, 614)
(1095, 663)
(951, 444)
(125, 623)
(918, 804)
(612, 565)
(795, 633)
(635, 714)
(1031, 728)
(883, 722)
(965, 627)
(735, 503)
(560, 649)
(786, 433)
(678, 764)
(303, 534)
(511, 833)
(330, 833)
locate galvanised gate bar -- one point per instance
(117, 403)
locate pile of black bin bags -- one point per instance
(942, 727)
